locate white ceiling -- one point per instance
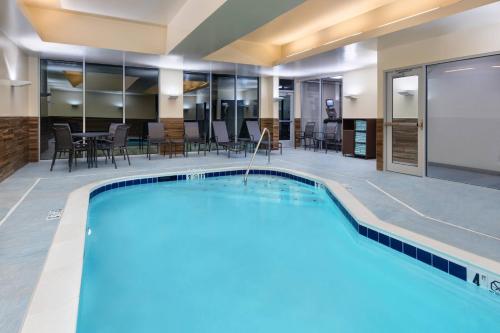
(150, 11)
(344, 59)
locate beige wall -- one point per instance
(269, 88)
(401, 50)
(15, 65)
(363, 83)
(297, 112)
(171, 83)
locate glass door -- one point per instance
(286, 119)
(404, 121)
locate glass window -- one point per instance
(247, 91)
(61, 100)
(104, 96)
(310, 107)
(223, 87)
(463, 121)
(197, 100)
(141, 103)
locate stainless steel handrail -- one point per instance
(257, 149)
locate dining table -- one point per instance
(91, 139)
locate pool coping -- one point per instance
(54, 304)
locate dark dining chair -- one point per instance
(308, 136)
(330, 137)
(64, 144)
(119, 141)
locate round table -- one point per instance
(91, 145)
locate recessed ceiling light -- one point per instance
(338, 77)
(339, 39)
(496, 66)
(408, 17)
(459, 70)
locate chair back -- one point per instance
(62, 134)
(253, 130)
(62, 125)
(112, 128)
(75, 127)
(121, 136)
(309, 130)
(331, 131)
(191, 130)
(156, 131)
(220, 131)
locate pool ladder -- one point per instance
(266, 130)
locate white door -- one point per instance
(286, 123)
(404, 121)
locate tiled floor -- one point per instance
(462, 215)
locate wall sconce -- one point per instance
(351, 97)
(15, 83)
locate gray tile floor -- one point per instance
(462, 215)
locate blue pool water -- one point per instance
(276, 256)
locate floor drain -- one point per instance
(54, 214)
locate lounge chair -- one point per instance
(254, 133)
(222, 139)
(192, 135)
(156, 136)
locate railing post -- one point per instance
(257, 149)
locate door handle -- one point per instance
(420, 124)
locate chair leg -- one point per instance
(70, 160)
(113, 160)
(128, 157)
(53, 160)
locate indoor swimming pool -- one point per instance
(277, 255)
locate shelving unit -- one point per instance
(359, 138)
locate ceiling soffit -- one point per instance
(387, 18)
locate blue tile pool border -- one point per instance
(424, 256)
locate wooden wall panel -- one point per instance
(405, 142)
(14, 144)
(297, 131)
(274, 128)
(33, 139)
(380, 144)
(175, 130)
